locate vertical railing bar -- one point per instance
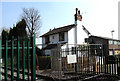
(28, 57)
(112, 66)
(119, 62)
(85, 58)
(33, 63)
(76, 52)
(18, 59)
(99, 65)
(77, 58)
(23, 55)
(94, 65)
(107, 63)
(12, 59)
(87, 67)
(81, 58)
(115, 65)
(88, 57)
(83, 63)
(6, 58)
(101, 57)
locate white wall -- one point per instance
(71, 36)
(81, 35)
(55, 40)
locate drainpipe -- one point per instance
(75, 29)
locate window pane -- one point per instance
(47, 39)
(115, 42)
(110, 42)
(119, 43)
(61, 36)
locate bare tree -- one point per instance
(33, 22)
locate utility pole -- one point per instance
(112, 41)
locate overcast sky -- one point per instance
(100, 17)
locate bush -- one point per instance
(44, 62)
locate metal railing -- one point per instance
(18, 50)
(90, 60)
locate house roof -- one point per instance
(106, 38)
(58, 30)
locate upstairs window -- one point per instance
(110, 42)
(52, 37)
(47, 40)
(61, 36)
(115, 42)
(118, 42)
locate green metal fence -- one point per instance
(21, 51)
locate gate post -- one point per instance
(12, 58)
(33, 61)
(0, 57)
(18, 59)
(28, 57)
(23, 58)
(88, 57)
(118, 67)
(60, 61)
(6, 58)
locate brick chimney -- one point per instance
(78, 16)
(77, 29)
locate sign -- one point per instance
(116, 52)
(71, 59)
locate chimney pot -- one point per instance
(76, 9)
(79, 12)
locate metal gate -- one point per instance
(18, 58)
(91, 59)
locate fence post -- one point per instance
(88, 56)
(118, 68)
(60, 61)
(102, 58)
(18, 59)
(28, 57)
(76, 52)
(12, 59)
(33, 61)
(6, 58)
(23, 55)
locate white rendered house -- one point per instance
(71, 34)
